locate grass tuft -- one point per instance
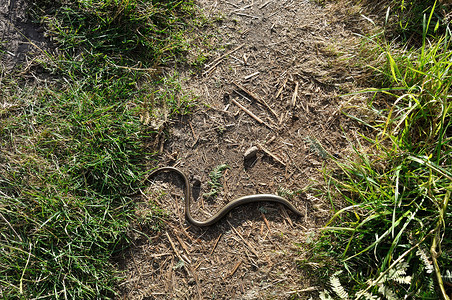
(394, 238)
(74, 149)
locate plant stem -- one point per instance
(436, 242)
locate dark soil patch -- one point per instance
(281, 53)
(21, 41)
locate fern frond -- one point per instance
(316, 147)
(398, 274)
(324, 295)
(447, 276)
(215, 184)
(337, 287)
(287, 193)
(400, 269)
(424, 258)
(366, 296)
(403, 279)
(387, 292)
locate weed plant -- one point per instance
(394, 239)
(410, 15)
(74, 149)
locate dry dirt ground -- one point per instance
(274, 85)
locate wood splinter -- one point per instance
(257, 98)
(237, 265)
(295, 95)
(271, 154)
(259, 120)
(217, 61)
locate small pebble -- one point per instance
(250, 153)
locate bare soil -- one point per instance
(278, 60)
(22, 40)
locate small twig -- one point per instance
(195, 275)
(159, 255)
(309, 289)
(216, 243)
(233, 4)
(270, 140)
(259, 120)
(295, 95)
(271, 154)
(437, 241)
(243, 8)
(265, 4)
(237, 265)
(281, 88)
(10, 226)
(174, 247)
(195, 137)
(251, 75)
(181, 242)
(245, 15)
(244, 241)
(211, 68)
(266, 221)
(286, 216)
(257, 98)
(217, 61)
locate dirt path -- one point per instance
(276, 63)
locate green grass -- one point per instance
(393, 238)
(410, 17)
(75, 148)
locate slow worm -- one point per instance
(228, 207)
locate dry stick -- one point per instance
(243, 8)
(244, 241)
(257, 98)
(251, 75)
(188, 268)
(216, 243)
(245, 15)
(195, 275)
(294, 96)
(174, 247)
(281, 88)
(193, 132)
(270, 140)
(271, 154)
(211, 68)
(265, 4)
(182, 243)
(219, 59)
(159, 255)
(436, 242)
(11, 227)
(266, 221)
(235, 5)
(309, 289)
(251, 114)
(286, 216)
(237, 265)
